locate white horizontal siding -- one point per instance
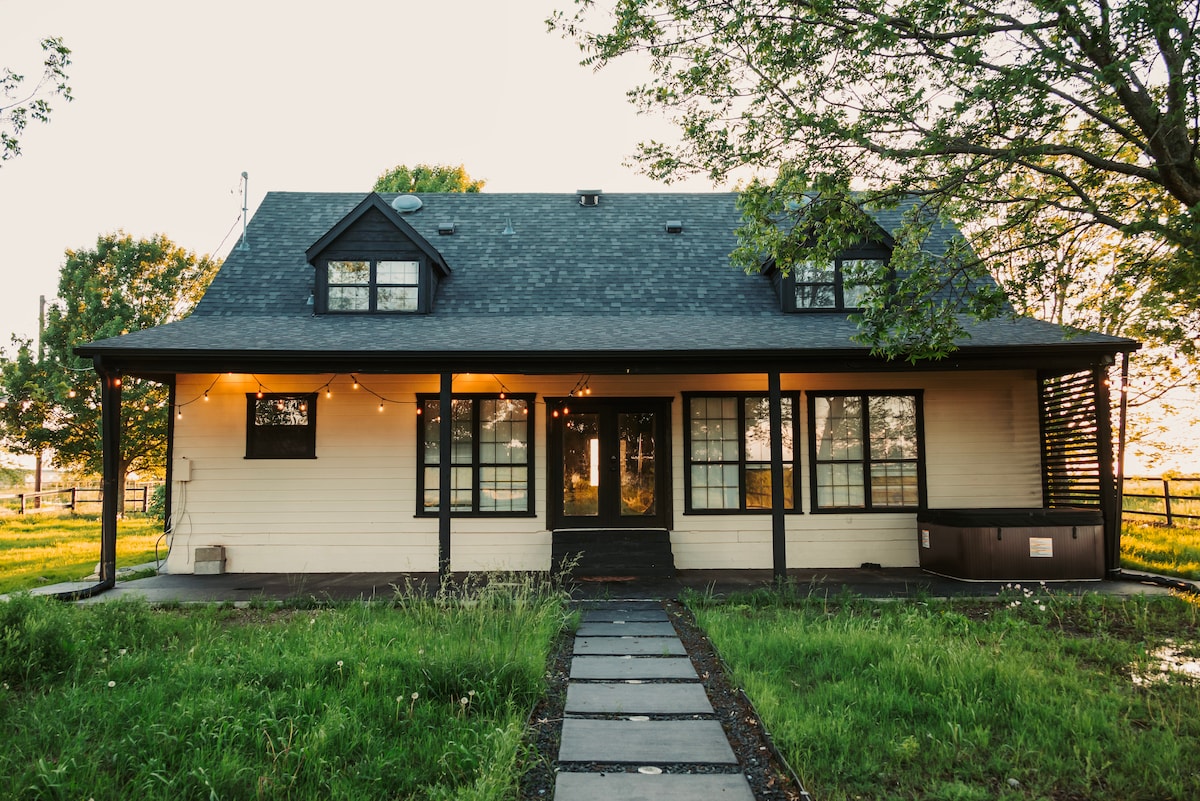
(353, 508)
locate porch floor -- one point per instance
(865, 582)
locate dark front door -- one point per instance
(609, 463)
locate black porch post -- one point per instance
(445, 440)
(1108, 481)
(110, 483)
(778, 522)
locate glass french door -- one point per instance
(613, 464)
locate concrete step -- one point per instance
(661, 787)
(629, 646)
(623, 668)
(622, 698)
(645, 742)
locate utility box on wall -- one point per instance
(210, 560)
(1060, 544)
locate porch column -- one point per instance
(110, 482)
(445, 446)
(778, 522)
(1108, 481)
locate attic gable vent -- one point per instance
(407, 204)
(588, 197)
(674, 226)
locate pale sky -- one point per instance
(173, 101)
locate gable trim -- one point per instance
(374, 201)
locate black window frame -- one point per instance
(263, 445)
(742, 462)
(866, 460)
(373, 285)
(476, 465)
(837, 282)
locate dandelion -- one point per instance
(121, 652)
(415, 696)
(464, 700)
(1042, 607)
(112, 684)
(339, 663)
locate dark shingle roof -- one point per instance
(601, 280)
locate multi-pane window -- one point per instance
(729, 452)
(866, 451)
(835, 284)
(490, 455)
(281, 426)
(373, 286)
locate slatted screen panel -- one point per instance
(1071, 459)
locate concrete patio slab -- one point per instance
(637, 699)
(621, 668)
(645, 742)
(622, 646)
(640, 787)
(614, 629)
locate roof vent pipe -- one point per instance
(588, 197)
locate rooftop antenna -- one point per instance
(244, 245)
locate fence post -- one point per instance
(145, 499)
(1167, 500)
(21, 496)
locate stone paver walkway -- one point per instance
(636, 706)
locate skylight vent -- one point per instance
(589, 197)
(446, 229)
(674, 226)
(407, 204)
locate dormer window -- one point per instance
(374, 286)
(831, 285)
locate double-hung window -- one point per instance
(866, 451)
(377, 285)
(491, 455)
(728, 442)
(836, 284)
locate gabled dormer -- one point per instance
(374, 262)
(831, 285)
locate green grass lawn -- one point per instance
(46, 549)
(964, 701)
(1158, 549)
(414, 699)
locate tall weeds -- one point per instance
(411, 698)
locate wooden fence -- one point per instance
(1178, 501)
(136, 499)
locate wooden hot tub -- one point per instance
(1057, 544)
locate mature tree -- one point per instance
(427, 178)
(966, 107)
(52, 400)
(20, 103)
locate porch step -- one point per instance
(638, 553)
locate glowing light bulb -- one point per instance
(381, 406)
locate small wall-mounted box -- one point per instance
(210, 560)
(183, 469)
